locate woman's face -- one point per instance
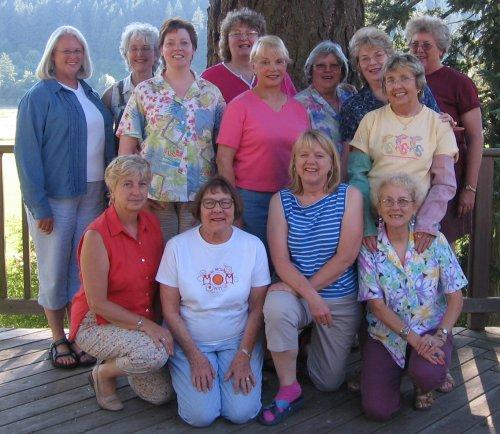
(326, 73)
(217, 211)
(423, 46)
(313, 165)
(270, 68)
(177, 49)
(401, 88)
(130, 193)
(140, 55)
(371, 60)
(67, 57)
(396, 206)
(240, 41)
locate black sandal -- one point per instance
(81, 355)
(55, 355)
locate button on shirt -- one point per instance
(415, 291)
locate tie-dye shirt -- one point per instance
(177, 135)
(415, 291)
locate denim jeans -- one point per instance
(255, 211)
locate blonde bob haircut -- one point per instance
(307, 140)
(123, 166)
(46, 68)
(269, 42)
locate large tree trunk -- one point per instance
(300, 23)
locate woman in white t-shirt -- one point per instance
(214, 280)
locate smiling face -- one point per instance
(130, 193)
(326, 73)
(177, 49)
(140, 55)
(216, 219)
(396, 206)
(313, 164)
(423, 47)
(371, 59)
(270, 68)
(401, 88)
(240, 41)
(67, 57)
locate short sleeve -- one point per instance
(369, 286)
(260, 273)
(132, 122)
(231, 128)
(362, 136)
(451, 276)
(446, 141)
(169, 267)
(467, 95)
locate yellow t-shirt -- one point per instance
(399, 144)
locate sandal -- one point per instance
(448, 384)
(281, 410)
(422, 401)
(111, 402)
(56, 355)
(84, 359)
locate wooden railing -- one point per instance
(478, 304)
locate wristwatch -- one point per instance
(139, 324)
(404, 332)
(246, 352)
(444, 332)
(470, 188)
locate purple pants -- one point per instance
(381, 377)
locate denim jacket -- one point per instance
(51, 144)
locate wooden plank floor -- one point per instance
(34, 397)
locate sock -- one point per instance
(285, 395)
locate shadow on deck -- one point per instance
(35, 397)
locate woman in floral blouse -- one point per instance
(413, 299)
(174, 117)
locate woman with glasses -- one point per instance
(326, 70)
(413, 301)
(234, 75)
(64, 139)
(213, 281)
(429, 39)
(139, 49)
(405, 134)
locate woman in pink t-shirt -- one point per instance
(257, 133)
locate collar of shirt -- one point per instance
(116, 226)
(193, 92)
(385, 247)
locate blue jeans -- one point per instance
(255, 211)
(201, 409)
(56, 253)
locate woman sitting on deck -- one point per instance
(414, 300)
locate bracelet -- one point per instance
(139, 324)
(246, 352)
(404, 332)
(470, 188)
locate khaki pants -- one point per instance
(175, 217)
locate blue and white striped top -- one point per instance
(313, 237)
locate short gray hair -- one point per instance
(150, 35)
(370, 36)
(323, 49)
(400, 60)
(402, 180)
(126, 165)
(269, 42)
(46, 68)
(433, 25)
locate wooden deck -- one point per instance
(34, 397)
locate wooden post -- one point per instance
(3, 268)
(480, 251)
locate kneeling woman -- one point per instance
(112, 313)
(314, 233)
(414, 299)
(213, 283)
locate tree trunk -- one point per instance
(300, 23)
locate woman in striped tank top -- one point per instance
(314, 232)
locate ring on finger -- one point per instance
(162, 339)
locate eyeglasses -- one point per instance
(135, 50)
(245, 35)
(402, 202)
(379, 56)
(77, 52)
(403, 80)
(223, 203)
(424, 45)
(335, 67)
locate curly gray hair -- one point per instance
(323, 49)
(144, 30)
(370, 36)
(432, 25)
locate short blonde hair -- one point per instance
(409, 61)
(46, 68)
(402, 180)
(308, 139)
(126, 165)
(372, 37)
(433, 25)
(269, 42)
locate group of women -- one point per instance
(282, 162)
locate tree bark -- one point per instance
(300, 23)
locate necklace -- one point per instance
(409, 119)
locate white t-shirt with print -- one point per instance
(214, 281)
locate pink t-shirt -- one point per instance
(231, 85)
(263, 139)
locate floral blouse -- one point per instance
(322, 115)
(416, 292)
(365, 101)
(177, 135)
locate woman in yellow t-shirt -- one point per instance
(405, 136)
